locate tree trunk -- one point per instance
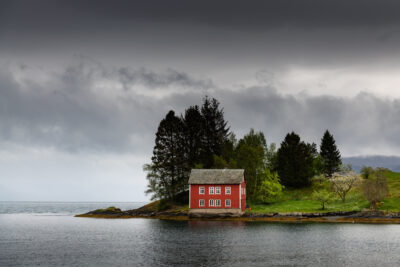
(372, 205)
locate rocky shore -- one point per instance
(364, 216)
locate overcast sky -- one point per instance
(84, 84)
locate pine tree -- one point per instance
(295, 162)
(193, 123)
(168, 172)
(330, 154)
(215, 131)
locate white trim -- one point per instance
(211, 201)
(230, 203)
(209, 190)
(230, 190)
(204, 190)
(200, 203)
(189, 194)
(219, 190)
(216, 201)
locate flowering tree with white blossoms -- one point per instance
(343, 182)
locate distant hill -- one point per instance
(390, 162)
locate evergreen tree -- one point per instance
(193, 123)
(168, 172)
(215, 131)
(330, 154)
(295, 162)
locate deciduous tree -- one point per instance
(270, 188)
(342, 183)
(323, 196)
(375, 187)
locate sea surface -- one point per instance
(47, 234)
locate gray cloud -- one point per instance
(73, 112)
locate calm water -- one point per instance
(47, 234)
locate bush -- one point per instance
(270, 188)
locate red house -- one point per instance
(217, 192)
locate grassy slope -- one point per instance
(299, 200)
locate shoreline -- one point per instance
(373, 217)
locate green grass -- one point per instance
(299, 200)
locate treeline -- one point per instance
(201, 138)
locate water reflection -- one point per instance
(207, 224)
(54, 240)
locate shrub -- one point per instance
(270, 188)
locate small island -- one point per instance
(255, 181)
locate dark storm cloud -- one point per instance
(70, 114)
(204, 35)
(258, 14)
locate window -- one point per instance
(201, 202)
(211, 203)
(211, 190)
(227, 202)
(218, 190)
(201, 190)
(227, 190)
(218, 202)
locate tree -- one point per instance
(193, 123)
(219, 162)
(270, 188)
(168, 172)
(367, 172)
(271, 156)
(215, 131)
(251, 157)
(375, 187)
(295, 162)
(330, 154)
(342, 183)
(323, 196)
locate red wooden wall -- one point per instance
(234, 196)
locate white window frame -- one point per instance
(228, 190)
(211, 202)
(226, 202)
(200, 202)
(218, 190)
(218, 203)
(201, 188)
(211, 190)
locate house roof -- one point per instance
(216, 176)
